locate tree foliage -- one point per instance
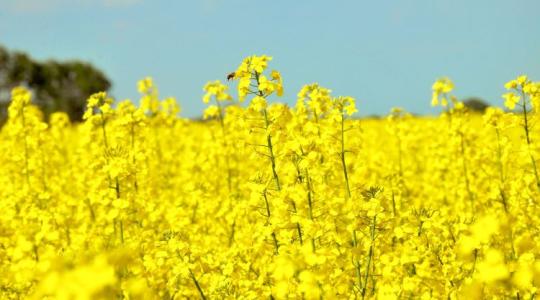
(57, 86)
(476, 104)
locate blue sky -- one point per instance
(383, 53)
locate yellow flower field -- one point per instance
(262, 200)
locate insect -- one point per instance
(230, 76)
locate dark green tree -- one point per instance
(57, 86)
(476, 104)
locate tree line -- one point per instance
(56, 86)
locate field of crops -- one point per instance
(262, 200)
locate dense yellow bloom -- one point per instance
(149, 100)
(258, 104)
(510, 100)
(346, 105)
(251, 72)
(20, 98)
(82, 282)
(145, 86)
(267, 201)
(493, 116)
(493, 268)
(216, 89)
(441, 87)
(211, 111)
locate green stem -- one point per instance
(298, 227)
(370, 256)
(201, 293)
(271, 151)
(501, 171)
(310, 205)
(528, 138)
(357, 263)
(274, 238)
(342, 154)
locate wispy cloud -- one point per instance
(45, 6)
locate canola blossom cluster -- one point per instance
(262, 200)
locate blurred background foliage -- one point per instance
(476, 104)
(56, 86)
